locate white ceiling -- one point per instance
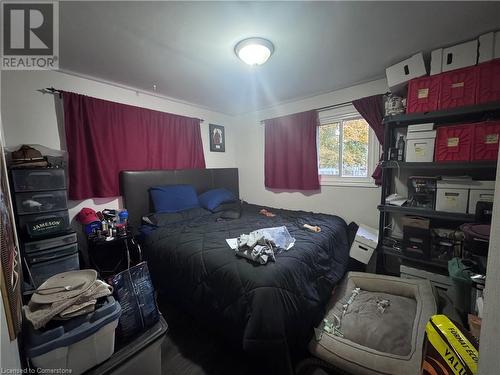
(186, 48)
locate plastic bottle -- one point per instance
(401, 148)
(123, 217)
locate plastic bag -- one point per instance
(134, 291)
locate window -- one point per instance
(347, 148)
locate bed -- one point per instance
(266, 309)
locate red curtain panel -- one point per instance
(291, 158)
(104, 138)
(372, 110)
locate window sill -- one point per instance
(360, 184)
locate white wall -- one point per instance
(30, 117)
(9, 353)
(489, 360)
(357, 204)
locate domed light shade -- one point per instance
(254, 51)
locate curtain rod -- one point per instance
(343, 104)
(54, 91)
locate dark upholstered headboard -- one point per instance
(135, 185)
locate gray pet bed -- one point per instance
(381, 325)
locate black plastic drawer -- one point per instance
(41, 201)
(41, 271)
(49, 243)
(52, 254)
(44, 224)
(38, 179)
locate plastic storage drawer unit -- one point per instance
(44, 224)
(486, 137)
(77, 344)
(454, 143)
(489, 82)
(38, 179)
(50, 243)
(47, 201)
(423, 94)
(47, 263)
(458, 88)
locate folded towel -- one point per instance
(39, 314)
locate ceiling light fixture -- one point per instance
(254, 51)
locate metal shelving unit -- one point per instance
(431, 214)
(479, 170)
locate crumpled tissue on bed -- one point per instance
(261, 245)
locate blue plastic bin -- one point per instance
(79, 343)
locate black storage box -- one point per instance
(416, 242)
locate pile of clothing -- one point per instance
(260, 246)
(64, 296)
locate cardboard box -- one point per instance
(364, 244)
(486, 47)
(437, 61)
(420, 146)
(399, 74)
(415, 222)
(484, 195)
(480, 191)
(460, 56)
(428, 126)
(452, 196)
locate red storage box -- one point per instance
(458, 88)
(486, 137)
(489, 82)
(454, 143)
(423, 94)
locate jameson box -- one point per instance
(448, 349)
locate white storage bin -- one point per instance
(399, 74)
(460, 56)
(76, 344)
(420, 146)
(481, 191)
(436, 61)
(486, 47)
(364, 244)
(452, 196)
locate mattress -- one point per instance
(268, 308)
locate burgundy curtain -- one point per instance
(291, 158)
(372, 110)
(104, 138)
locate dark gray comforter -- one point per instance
(264, 308)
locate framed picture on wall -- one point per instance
(217, 138)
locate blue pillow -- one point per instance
(212, 199)
(173, 198)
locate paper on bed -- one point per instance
(279, 235)
(233, 243)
